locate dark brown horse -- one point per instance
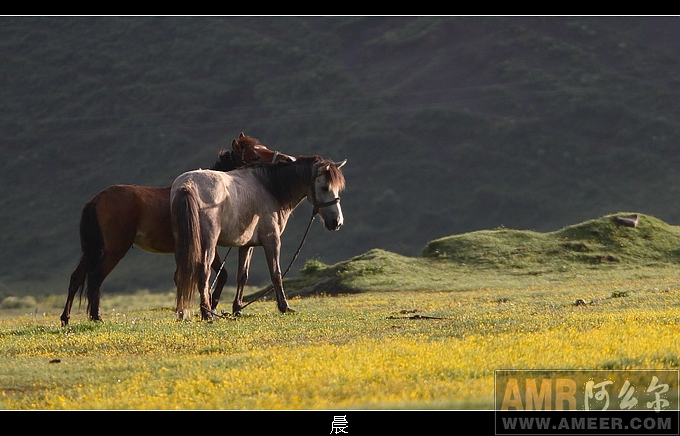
(123, 215)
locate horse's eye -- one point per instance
(256, 158)
(324, 188)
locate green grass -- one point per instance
(399, 333)
(366, 350)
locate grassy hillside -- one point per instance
(450, 124)
(592, 242)
(484, 259)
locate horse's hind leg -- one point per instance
(203, 280)
(96, 278)
(220, 281)
(244, 256)
(76, 283)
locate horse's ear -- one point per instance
(340, 164)
(242, 135)
(235, 146)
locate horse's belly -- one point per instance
(241, 235)
(237, 242)
(242, 240)
(154, 245)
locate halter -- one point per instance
(315, 203)
(243, 156)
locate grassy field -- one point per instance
(425, 333)
(400, 349)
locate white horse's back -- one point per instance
(236, 201)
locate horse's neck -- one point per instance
(293, 201)
(289, 192)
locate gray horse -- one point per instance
(245, 208)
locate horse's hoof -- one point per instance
(183, 315)
(207, 314)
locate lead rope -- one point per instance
(315, 211)
(212, 287)
(271, 288)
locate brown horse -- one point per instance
(123, 215)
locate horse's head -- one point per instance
(249, 150)
(324, 193)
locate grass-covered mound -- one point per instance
(485, 258)
(602, 240)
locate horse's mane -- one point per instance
(284, 180)
(225, 161)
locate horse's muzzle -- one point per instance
(332, 224)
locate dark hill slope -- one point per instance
(449, 124)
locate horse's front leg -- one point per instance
(272, 252)
(244, 256)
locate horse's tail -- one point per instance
(91, 243)
(187, 247)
